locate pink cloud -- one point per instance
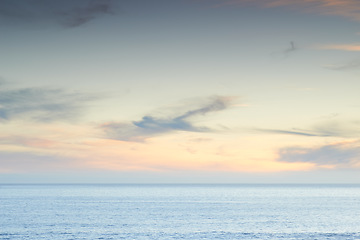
(345, 8)
(344, 47)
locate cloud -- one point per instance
(332, 128)
(337, 128)
(33, 162)
(286, 52)
(292, 48)
(289, 132)
(342, 155)
(351, 65)
(149, 126)
(82, 15)
(343, 47)
(345, 8)
(2, 81)
(66, 13)
(41, 104)
(34, 141)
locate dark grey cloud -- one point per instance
(351, 65)
(290, 49)
(41, 104)
(67, 13)
(286, 52)
(149, 125)
(341, 155)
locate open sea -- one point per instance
(179, 211)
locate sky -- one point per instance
(188, 91)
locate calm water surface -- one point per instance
(179, 212)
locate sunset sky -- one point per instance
(188, 91)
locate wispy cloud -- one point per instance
(343, 155)
(41, 104)
(351, 65)
(286, 52)
(2, 81)
(291, 48)
(331, 128)
(338, 128)
(33, 162)
(149, 126)
(34, 141)
(87, 12)
(292, 132)
(66, 13)
(345, 8)
(343, 47)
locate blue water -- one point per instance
(179, 212)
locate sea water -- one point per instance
(177, 211)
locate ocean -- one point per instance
(179, 211)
